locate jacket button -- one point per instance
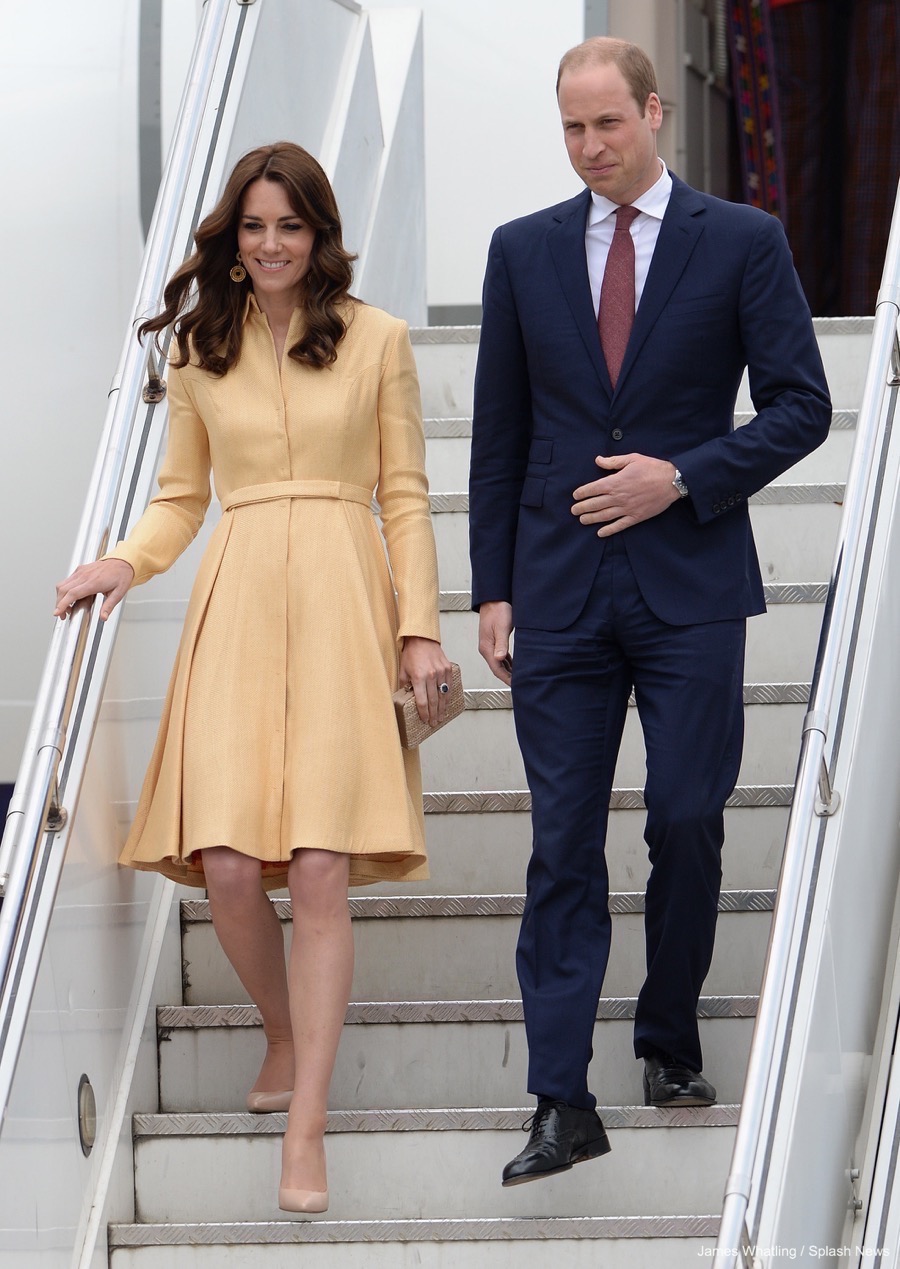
(617, 433)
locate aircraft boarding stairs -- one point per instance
(428, 1096)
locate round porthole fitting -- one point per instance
(87, 1115)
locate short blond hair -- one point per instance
(637, 69)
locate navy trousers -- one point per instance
(570, 696)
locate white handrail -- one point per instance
(770, 1035)
(26, 838)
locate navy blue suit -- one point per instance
(659, 608)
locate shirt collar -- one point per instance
(653, 201)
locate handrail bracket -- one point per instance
(747, 1258)
(827, 798)
(155, 387)
(56, 815)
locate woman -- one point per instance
(278, 759)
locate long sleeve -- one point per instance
(501, 434)
(787, 386)
(402, 493)
(175, 514)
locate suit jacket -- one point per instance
(721, 294)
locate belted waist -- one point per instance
(297, 489)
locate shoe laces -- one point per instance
(536, 1120)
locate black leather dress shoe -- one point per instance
(667, 1083)
(561, 1135)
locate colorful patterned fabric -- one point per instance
(750, 44)
(837, 66)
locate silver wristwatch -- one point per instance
(679, 484)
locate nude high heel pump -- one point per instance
(269, 1103)
(303, 1202)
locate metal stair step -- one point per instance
(479, 750)
(781, 646)
(446, 358)
(448, 428)
(396, 1165)
(495, 1243)
(488, 852)
(780, 493)
(791, 542)
(482, 801)
(456, 951)
(397, 1054)
(482, 847)
(448, 448)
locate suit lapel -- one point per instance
(566, 242)
(681, 227)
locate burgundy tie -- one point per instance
(617, 294)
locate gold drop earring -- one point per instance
(237, 272)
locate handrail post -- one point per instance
(813, 794)
(23, 849)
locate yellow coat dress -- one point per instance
(278, 731)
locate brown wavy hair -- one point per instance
(210, 330)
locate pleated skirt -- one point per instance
(278, 732)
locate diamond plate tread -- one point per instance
(444, 334)
(470, 334)
(457, 428)
(796, 592)
(448, 429)
(843, 325)
(799, 493)
(772, 495)
(386, 1012)
(479, 698)
(248, 1233)
(776, 693)
(483, 905)
(496, 801)
(461, 601)
(841, 420)
(775, 593)
(754, 694)
(225, 1124)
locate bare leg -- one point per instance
(250, 933)
(321, 971)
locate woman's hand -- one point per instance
(111, 578)
(423, 664)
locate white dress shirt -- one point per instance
(644, 230)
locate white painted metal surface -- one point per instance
(795, 1184)
(109, 929)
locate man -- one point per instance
(639, 575)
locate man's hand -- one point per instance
(639, 489)
(495, 625)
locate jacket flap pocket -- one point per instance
(541, 450)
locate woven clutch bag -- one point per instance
(412, 730)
